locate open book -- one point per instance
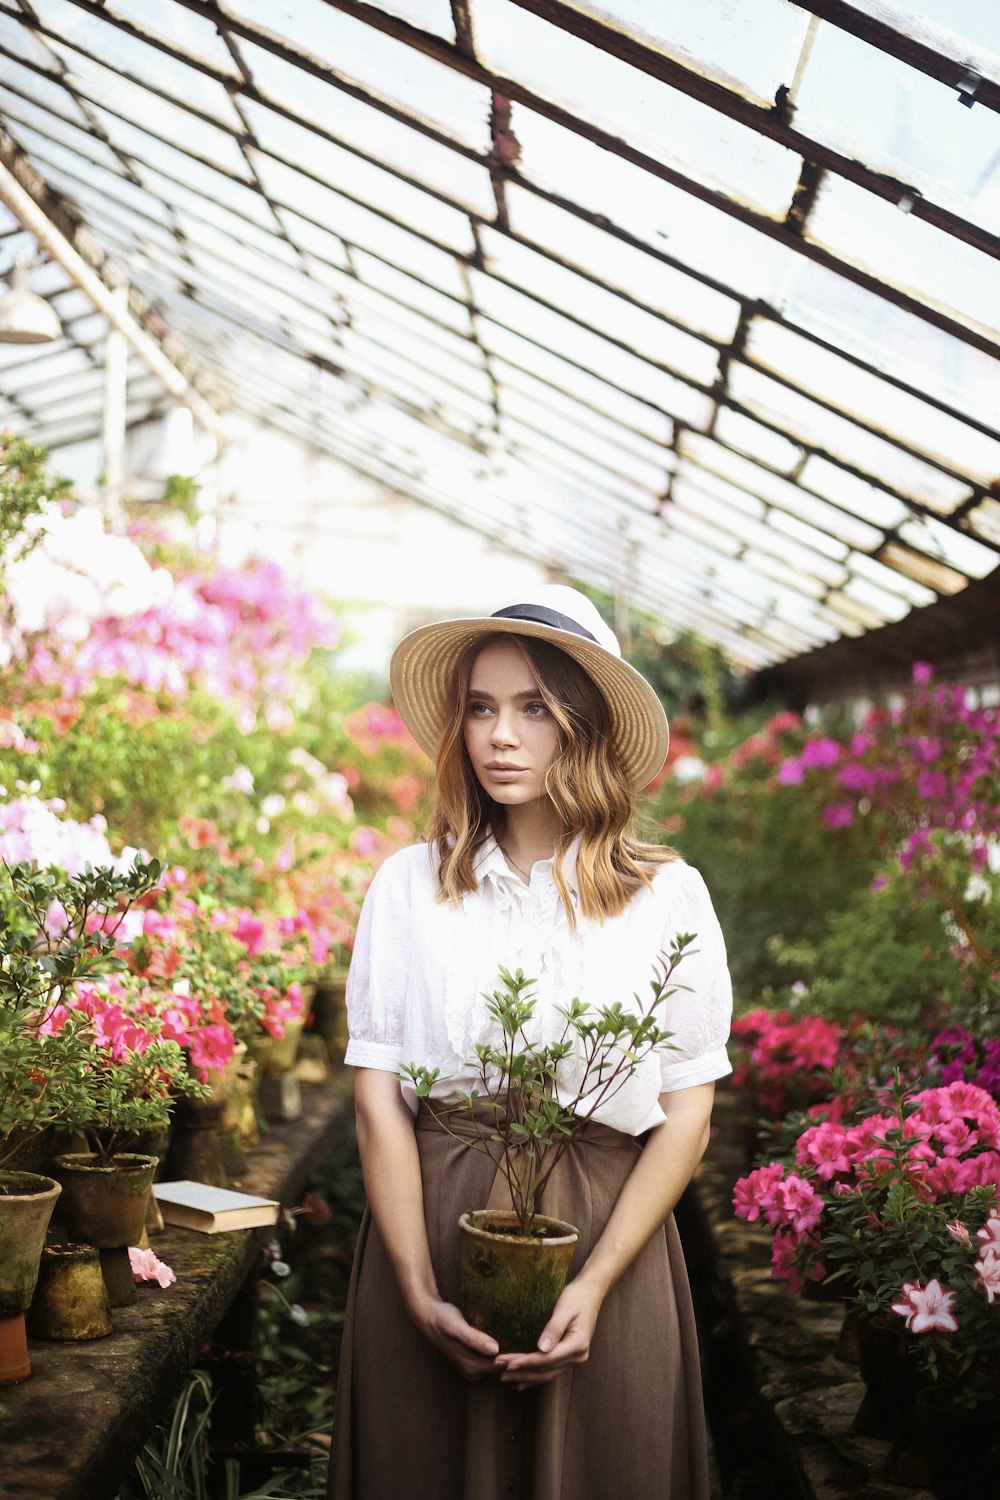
(198, 1205)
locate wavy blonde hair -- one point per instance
(586, 783)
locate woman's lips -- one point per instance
(504, 773)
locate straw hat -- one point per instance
(424, 662)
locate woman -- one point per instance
(543, 738)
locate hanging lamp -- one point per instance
(26, 318)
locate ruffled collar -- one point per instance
(490, 864)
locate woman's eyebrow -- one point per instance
(530, 693)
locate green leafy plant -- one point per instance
(46, 1049)
(538, 1095)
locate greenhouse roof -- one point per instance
(698, 300)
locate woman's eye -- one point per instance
(536, 710)
(479, 710)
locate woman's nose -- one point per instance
(504, 731)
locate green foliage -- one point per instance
(174, 1463)
(54, 1068)
(540, 1094)
(773, 869)
(24, 487)
(920, 948)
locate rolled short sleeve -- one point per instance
(378, 977)
(698, 1013)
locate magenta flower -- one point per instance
(960, 1234)
(820, 753)
(927, 1309)
(838, 814)
(790, 773)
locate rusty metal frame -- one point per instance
(775, 123)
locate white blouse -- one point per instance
(421, 966)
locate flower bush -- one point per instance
(903, 1206)
(157, 698)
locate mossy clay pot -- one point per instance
(511, 1282)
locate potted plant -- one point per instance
(536, 1096)
(903, 1205)
(56, 931)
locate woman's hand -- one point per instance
(564, 1341)
(469, 1349)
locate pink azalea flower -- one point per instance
(927, 1309)
(990, 1232)
(988, 1270)
(960, 1234)
(757, 1194)
(802, 1205)
(146, 1267)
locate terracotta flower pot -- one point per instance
(510, 1283)
(329, 1012)
(26, 1204)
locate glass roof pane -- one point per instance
(627, 102)
(388, 68)
(985, 521)
(429, 15)
(72, 150)
(810, 536)
(590, 350)
(635, 414)
(853, 494)
(312, 240)
(210, 196)
(909, 127)
(756, 441)
(780, 492)
(127, 59)
(978, 20)
(893, 339)
(577, 438)
(906, 252)
(342, 169)
(423, 355)
(753, 42)
(50, 95)
(942, 579)
(856, 391)
(179, 27)
(890, 580)
(812, 565)
(582, 415)
(24, 43)
(412, 290)
(693, 232)
(887, 606)
(816, 427)
(92, 183)
(378, 135)
(648, 335)
(359, 225)
(659, 286)
(952, 547)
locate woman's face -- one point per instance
(510, 736)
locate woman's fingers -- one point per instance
(564, 1341)
(468, 1348)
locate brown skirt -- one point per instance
(626, 1425)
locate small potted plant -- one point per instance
(536, 1096)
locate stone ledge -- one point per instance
(72, 1430)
